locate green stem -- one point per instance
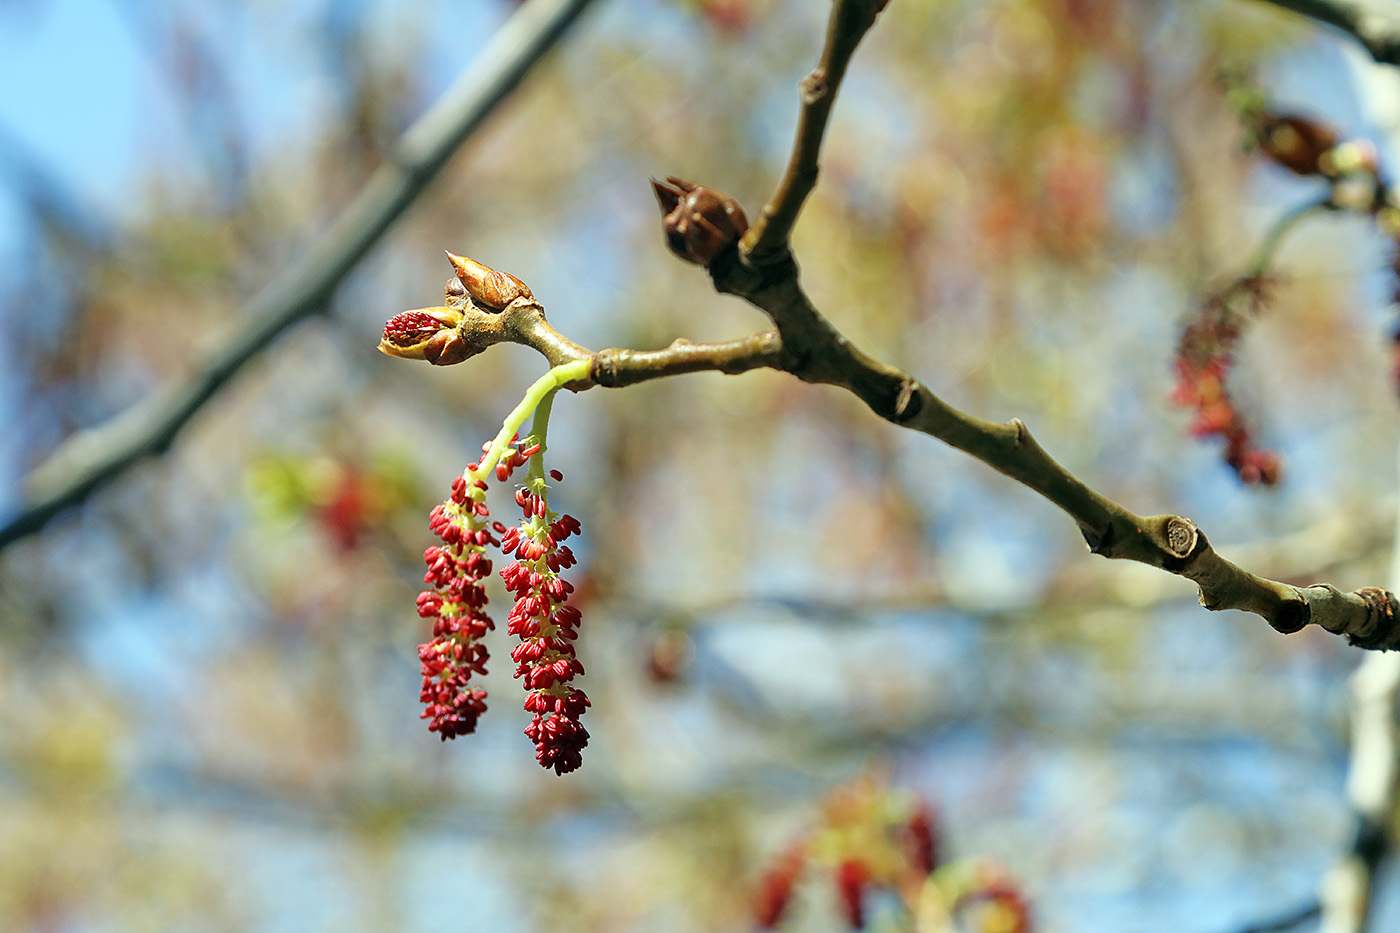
(1264, 256)
(540, 395)
(539, 429)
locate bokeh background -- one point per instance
(208, 678)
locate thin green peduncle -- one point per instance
(539, 397)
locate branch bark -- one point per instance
(850, 21)
(93, 458)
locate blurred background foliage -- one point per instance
(208, 678)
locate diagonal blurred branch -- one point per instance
(1374, 23)
(1290, 921)
(49, 198)
(93, 458)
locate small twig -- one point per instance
(93, 458)
(615, 367)
(1376, 25)
(850, 21)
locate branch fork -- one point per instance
(706, 227)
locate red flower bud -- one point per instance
(430, 334)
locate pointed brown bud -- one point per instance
(427, 334)
(668, 196)
(485, 285)
(700, 222)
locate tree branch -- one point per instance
(614, 367)
(805, 344)
(760, 268)
(93, 458)
(1376, 25)
(850, 21)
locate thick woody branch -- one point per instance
(92, 459)
(815, 352)
(1374, 23)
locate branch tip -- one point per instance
(1382, 627)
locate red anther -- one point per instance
(456, 604)
(558, 477)
(529, 452)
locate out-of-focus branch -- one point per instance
(1346, 892)
(1374, 23)
(95, 457)
(1287, 922)
(1347, 888)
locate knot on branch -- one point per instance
(606, 368)
(1381, 630)
(907, 402)
(1181, 536)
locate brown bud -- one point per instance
(430, 334)
(700, 222)
(1296, 143)
(487, 287)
